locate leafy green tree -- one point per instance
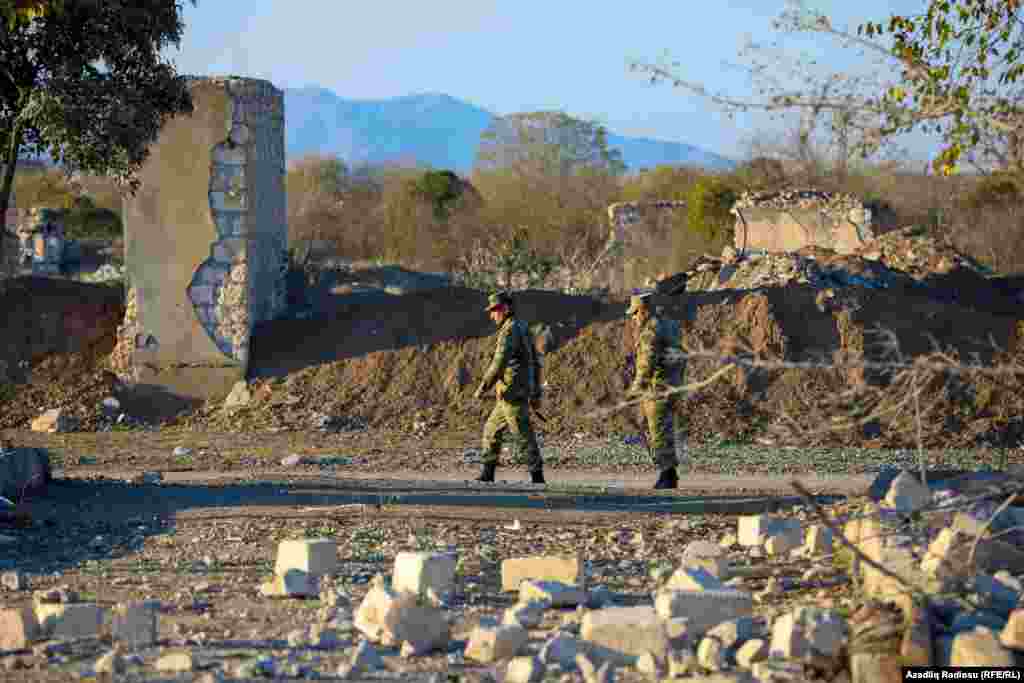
(708, 207)
(442, 190)
(549, 143)
(85, 82)
(960, 60)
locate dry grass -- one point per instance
(372, 215)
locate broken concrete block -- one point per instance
(110, 662)
(428, 574)
(488, 645)
(176, 662)
(808, 631)
(1012, 635)
(135, 624)
(626, 632)
(754, 530)
(389, 618)
(752, 651)
(294, 583)
(524, 670)
(907, 493)
(318, 556)
(734, 631)
(711, 654)
(54, 420)
(69, 620)
(693, 578)
(554, 593)
(781, 670)
(979, 647)
(565, 569)
(703, 609)
(18, 628)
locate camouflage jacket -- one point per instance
(655, 370)
(515, 368)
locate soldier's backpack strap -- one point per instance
(535, 367)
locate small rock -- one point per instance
(176, 662)
(554, 593)
(14, 580)
(524, 670)
(488, 645)
(181, 452)
(110, 663)
(711, 653)
(752, 651)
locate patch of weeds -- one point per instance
(365, 543)
(184, 460)
(145, 566)
(7, 391)
(324, 531)
(424, 541)
(99, 568)
(487, 552)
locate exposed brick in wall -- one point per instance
(243, 280)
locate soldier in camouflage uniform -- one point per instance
(655, 373)
(514, 373)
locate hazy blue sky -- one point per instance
(513, 55)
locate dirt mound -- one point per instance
(56, 337)
(409, 387)
(411, 362)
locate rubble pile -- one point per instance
(898, 258)
(914, 575)
(913, 251)
(804, 198)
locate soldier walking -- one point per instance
(514, 373)
(655, 373)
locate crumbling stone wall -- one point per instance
(639, 230)
(794, 219)
(206, 235)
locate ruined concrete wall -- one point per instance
(205, 233)
(791, 220)
(640, 231)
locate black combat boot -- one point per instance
(668, 479)
(537, 477)
(488, 473)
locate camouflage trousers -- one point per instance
(511, 418)
(659, 417)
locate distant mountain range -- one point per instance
(433, 129)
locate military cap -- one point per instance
(502, 298)
(638, 302)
